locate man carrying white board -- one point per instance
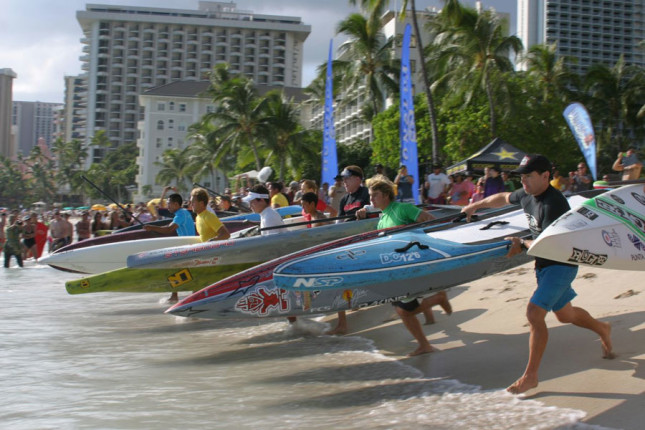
(543, 204)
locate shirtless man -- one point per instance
(58, 232)
(543, 204)
(629, 164)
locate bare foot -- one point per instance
(421, 350)
(522, 385)
(338, 330)
(605, 338)
(429, 322)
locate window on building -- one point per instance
(182, 107)
(159, 142)
(161, 106)
(171, 124)
(170, 142)
(171, 105)
(181, 126)
(160, 125)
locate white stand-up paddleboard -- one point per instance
(606, 231)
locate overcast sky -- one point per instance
(40, 39)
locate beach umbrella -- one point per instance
(68, 208)
(113, 206)
(82, 208)
(98, 207)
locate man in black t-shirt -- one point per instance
(543, 204)
(357, 196)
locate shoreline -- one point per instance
(485, 342)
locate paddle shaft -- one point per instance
(296, 224)
(215, 193)
(125, 211)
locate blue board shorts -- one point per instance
(554, 287)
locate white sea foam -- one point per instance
(116, 361)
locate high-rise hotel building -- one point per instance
(128, 50)
(591, 31)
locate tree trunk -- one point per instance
(429, 98)
(491, 107)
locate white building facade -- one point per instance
(590, 31)
(129, 49)
(169, 111)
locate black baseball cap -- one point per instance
(533, 162)
(352, 171)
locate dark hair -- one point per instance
(176, 198)
(276, 186)
(310, 198)
(260, 189)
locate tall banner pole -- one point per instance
(580, 124)
(329, 157)
(407, 128)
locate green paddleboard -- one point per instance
(128, 280)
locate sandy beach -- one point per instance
(485, 342)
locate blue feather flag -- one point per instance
(329, 157)
(407, 128)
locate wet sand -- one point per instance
(485, 342)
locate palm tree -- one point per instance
(617, 95)
(377, 6)
(70, 157)
(367, 63)
(206, 153)
(550, 71)
(473, 50)
(240, 118)
(285, 141)
(13, 188)
(41, 174)
(175, 167)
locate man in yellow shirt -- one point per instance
(278, 200)
(207, 223)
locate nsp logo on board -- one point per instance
(627, 216)
(586, 257)
(317, 282)
(396, 257)
(611, 238)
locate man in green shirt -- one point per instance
(394, 214)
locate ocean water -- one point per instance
(115, 361)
